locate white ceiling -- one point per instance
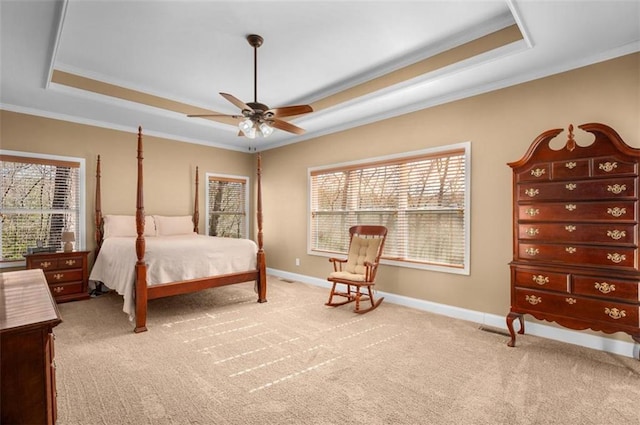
(188, 51)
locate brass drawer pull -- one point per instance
(571, 207)
(532, 231)
(571, 165)
(540, 279)
(45, 264)
(616, 258)
(532, 251)
(58, 289)
(58, 276)
(532, 212)
(570, 228)
(570, 186)
(615, 313)
(571, 249)
(616, 234)
(571, 300)
(608, 166)
(538, 172)
(616, 211)
(533, 300)
(70, 262)
(532, 192)
(605, 287)
(617, 189)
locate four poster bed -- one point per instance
(146, 257)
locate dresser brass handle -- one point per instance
(570, 186)
(532, 212)
(616, 258)
(532, 299)
(616, 234)
(570, 228)
(532, 231)
(46, 264)
(608, 166)
(532, 251)
(70, 262)
(58, 289)
(532, 192)
(570, 165)
(617, 188)
(571, 207)
(540, 279)
(538, 172)
(571, 249)
(616, 211)
(571, 300)
(58, 276)
(615, 313)
(605, 287)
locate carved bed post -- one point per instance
(262, 268)
(98, 205)
(196, 213)
(141, 266)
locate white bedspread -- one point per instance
(170, 259)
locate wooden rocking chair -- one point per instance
(359, 269)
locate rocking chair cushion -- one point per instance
(348, 276)
(361, 250)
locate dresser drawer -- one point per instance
(536, 172)
(620, 188)
(577, 232)
(571, 169)
(622, 257)
(578, 211)
(60, 276)
(542, 279)
(58, 290)
(604, 287)
(611, 312)
(612, 166)
(70, 262)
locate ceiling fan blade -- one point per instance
(214, 115)
(287, 111)
(240, 104)
(286, 126)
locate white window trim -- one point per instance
(81, 235)
(466, 146)
(247, 181)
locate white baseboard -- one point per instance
(609, 345)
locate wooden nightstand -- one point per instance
(67, 273)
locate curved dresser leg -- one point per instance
(510, 318)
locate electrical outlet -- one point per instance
(297, 261)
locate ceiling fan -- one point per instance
(258, 118)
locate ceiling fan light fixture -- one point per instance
(265, 129)
(247, 128)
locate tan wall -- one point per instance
(500, 125)
(169, 166)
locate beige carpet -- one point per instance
(218, 357)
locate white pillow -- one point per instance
(173, 225)
(125, 226)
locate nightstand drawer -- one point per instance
(59, 290)
(60, 276)
(70, 263)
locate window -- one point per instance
(421, 197)
(42, 196)
(227, 201)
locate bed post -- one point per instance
(262, 269)
(98, 206)
(196, 213)
(141, 266)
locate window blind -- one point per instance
(227, 206)
(419, 198)
(41, 198)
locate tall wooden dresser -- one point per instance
(575, 234)
(28, 314)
